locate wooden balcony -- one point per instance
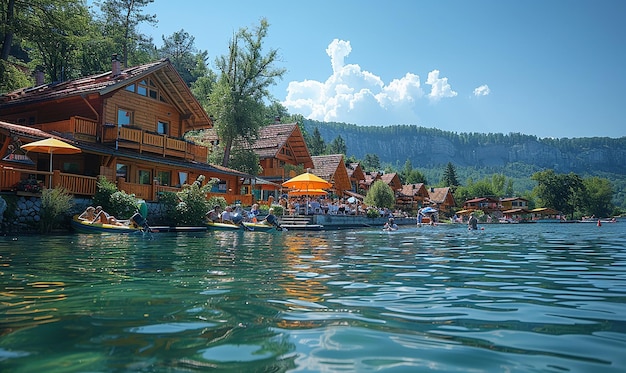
(143, 141)
(129, 138)
(75, 184)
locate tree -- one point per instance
(246, 160)
(245, 75)
(337, 146)
(380, 195)
(410, 176)
(316, 143)
(449, 176)
(562, 192)
(597, 197)
(371, 162)
(122, 18)
(190, 63)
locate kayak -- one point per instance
(247, 226)
(84, 226)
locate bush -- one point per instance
(380, 195)
(122, 205)
(189, 206)
(103, 194)
(55, 204)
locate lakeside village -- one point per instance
(127, 126)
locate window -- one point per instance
(142, 88)
(143, 177)
(124, 117)
(163, 127)
(72, 167)
(121, 170)
(130, 88)
(163, 177)
(182, 178)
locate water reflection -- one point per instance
(519, 298)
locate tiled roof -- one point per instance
(412, 189)
(274, 137)
(438, 195)
(85, 85)
(163, 71)
(388, 178)
(325, 166)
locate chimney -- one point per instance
(39, 78)
(277, 120)
(115, 65)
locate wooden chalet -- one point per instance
(356, 175)
(281, 149)
(129, 124)
(370, 178)
(412, 197)
(513, 203)
(487, 204)
(393, 180)
(332, 169)
(442, 199)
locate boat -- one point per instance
(247, 226)
(85, 226)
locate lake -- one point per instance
(509, 298)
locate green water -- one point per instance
(511, 298)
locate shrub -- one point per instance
(380, 195)
(190, 205)
(55, 203)
(122, 205)
(105, 190)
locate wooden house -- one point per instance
(393, 180)
(487, 204)
(370, 178)
(129, 124)
(412, 197)
(332, 169)
(514, 203)
(356, 175)
(442, 199)
(282, 150)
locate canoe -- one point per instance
(248, 226)
(89, 227)
(223, 226)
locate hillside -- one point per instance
(476, 155)
(427, 148)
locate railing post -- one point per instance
(56, 178)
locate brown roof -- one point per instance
(325, 166)
(274, 137)
(413, 189)
(104, 83)
(438, 195)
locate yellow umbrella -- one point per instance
(51, 146)
(310, 192)
(307, 181)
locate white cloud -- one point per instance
(439, 87)
(353, 95)
(483, 90)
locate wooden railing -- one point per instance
(74, 125)
(74, 184)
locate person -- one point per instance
(227, 215)
(271, 219)
(104, 218)
(88, 215)
(214, 215)
(254, 213)
(390, 225)
(472, 223)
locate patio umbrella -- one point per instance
(306, 183)
(51, 146)
(310, 192)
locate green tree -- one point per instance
(337, 146)
(380, 195)
(121, 20)
(316, 143)
(371, 162)
(245, 160)
(180, 49)
(236, 102)
(449, 176)
(597, 197)
(562, 192)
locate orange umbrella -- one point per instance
(310, 192)
(307, 181)
(51, 146)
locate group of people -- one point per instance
(237, 216)
(99, 216)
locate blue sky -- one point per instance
(547, 68)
